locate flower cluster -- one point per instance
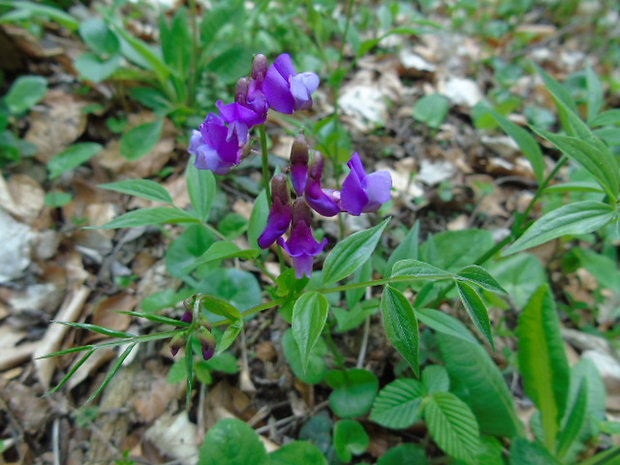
(361, 193)
(206, 338)
(222, 140)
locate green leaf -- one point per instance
(444, 323)
(25, 92)
(232, 442)
(432, 110)
(144, 188)
(96, 329)
(309, 317)
(157, 319)
(57, 199)
(111, 373)
(222, 250)
(562, 97)
(258, 219)
(141, 140)
(350, 438)
(575, 424)
(229, 336)
(435, 379)
(407, 249)
(480, 277)
(523, 452)
(316, 369)
(351, 253)
(220, 307)
(164, 299)
(520, 275)
(592, 154)
(297, 452)
(231, 63)
(238, 287)
(150, 216)
(37, 9)
(405, 453)
(401, 326)
(452, 425)
(177, 42)
(595, 94)
(488, 395)
(607, 118)
(542, 360)
(476, 310)
(94, 68)
(526, 143)
(452, 250)
(201, 189)
(607, 457)
(575, 218)
(397, 405)
(224, 363)
(183, 252)
(99, 37)
(416, 269)
(73, 157)
(354, 391)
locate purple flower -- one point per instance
(207, 341)
(250, 91)
(218, 147)
(301, 245)
(299, 164)
(364, 193)
(287, 91)
(323, 201)
(280, 215)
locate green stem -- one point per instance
(265, 156)
(254, 310)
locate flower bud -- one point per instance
(207, 341)
(177, 342)
(243, 88)
(260, 65)
(299, 164)
(301, 213)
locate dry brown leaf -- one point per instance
(175, 436)
(107, 315)
(12, 353)
(28, 197)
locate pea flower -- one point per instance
(299, 164)
(218, 147)
(287, 91)
(364, 193)
(280, 215)
(250, 91)
(301, 245)
(207, 342)
(323, 201)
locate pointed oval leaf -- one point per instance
(220, 307)
(453, 426)
(575, 423)
(351, 253)
(232, 442)
(435, 379)
(407, 249)
(476, 309)
(316, 369)
(354, 391)
(309, 317)
(444, 323)
(25, 92)
(397, 405)
(542, 360)
(201, 189)
(144, 188)
(417, 269)
(140, 140)
(150, 216)
(575, 218)
(73, 157)
(222, 250)
(299, 452)
(401, 326)
(480, 277)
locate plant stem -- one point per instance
(265, 156)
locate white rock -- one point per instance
(433, 172)
(503, 146)
(15, 245)
(365, 102)
(414, 61)
(462, 91)
(175, 437)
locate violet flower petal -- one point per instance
(277, 224)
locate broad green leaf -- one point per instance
(526, 143)
(354, 391)
(141, 140)
(177, 42)
(488, 395)
(213, 20)
(542, 360)
(435, 379)
(351, 253)
(99, 37)
(607, 118)
(309, 317)
(237, 287)
(590, 153)
(185, 250)
(201, 189)
(444, 323)
(432, 110)
(407, 249)
(299, 453)
(350, 438)
(224, 363)
(520, 275)
(575, 186)
(150, 216)
(144, 188)
(452, 425)
(405, 453)
(73, 157)
(575, 218)
(94, 68)
(316, 369)
(452, 250)
(401, 326)
(575, 424)
(258, 219)
(480, 277)
(416, 269)
(562, 97)
(476, 309)
(222, 250)
(232, 442)
(164, 299)
(595, 94)
(229, 336)
(25, 92)
(397, 406)
(524, 452)
(220, 307)
(231, 63)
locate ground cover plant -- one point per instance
(237, 233)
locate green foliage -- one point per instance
(399, 404)
(432, 110)
(315, 369)
(309, 317)
(350, 439)
(25, 92)
(140, 140)
(232, 442)
(299, 452)
(71, 158)
(354, 391)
